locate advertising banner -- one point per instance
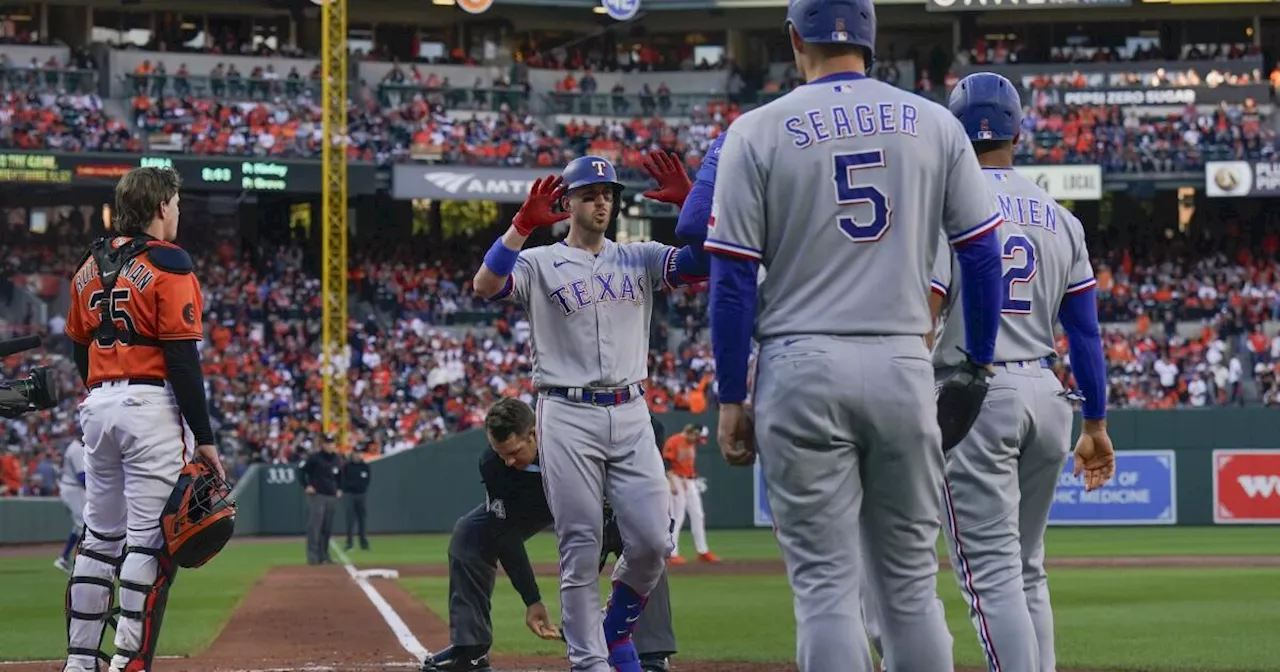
(1128, 97)
(470, 183)
(463, 183)
(1066, 183)
(980, 5)
(1142, 492)
(1238, 179)
(1246, 486)
(199, 173)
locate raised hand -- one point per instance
(668, 172)
(537, 208)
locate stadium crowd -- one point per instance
(418, 370)
(415, 115)
(420, 367)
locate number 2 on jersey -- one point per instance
(1020, 272)
(849, 192)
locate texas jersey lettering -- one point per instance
(583, 303)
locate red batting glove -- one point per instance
(669, 173)
(537, 209)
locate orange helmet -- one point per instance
(198, 519)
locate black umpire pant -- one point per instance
(473, 570)
(355, 517)
(320, 510)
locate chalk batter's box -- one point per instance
(1143, 491)
(1246, 487)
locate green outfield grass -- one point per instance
(759, 544)
(1157, 620)
(1130, 619)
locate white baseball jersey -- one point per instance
(1045, 258)
(72, 465)
(590, 313)
(851, 194)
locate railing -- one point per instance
(236, 88)
(488, 99)
(633, 104)
(69, 80)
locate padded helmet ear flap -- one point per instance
(198, 519)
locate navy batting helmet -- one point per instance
(988, 105)
(835, 22)
(588, 170)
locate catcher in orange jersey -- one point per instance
(135, 318)
(679, 454)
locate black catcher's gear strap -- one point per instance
(960, 400)
(152, 615)
(108, 616)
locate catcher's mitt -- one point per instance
(612, 542)
(959, 401)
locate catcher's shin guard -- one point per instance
(90, 597)
(145, 578)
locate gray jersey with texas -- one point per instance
(864, 219)
(1045, 258)
(589, 313)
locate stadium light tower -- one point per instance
(336, 413)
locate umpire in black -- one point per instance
(356, 477)
(515, 509)
(320, 479)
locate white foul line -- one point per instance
(402, 632)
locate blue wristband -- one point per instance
(501, 259)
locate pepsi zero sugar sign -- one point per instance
(1142, 492)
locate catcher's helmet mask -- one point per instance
(199, 518)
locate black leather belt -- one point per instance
(154, 382)
(596, 396)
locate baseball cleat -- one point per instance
(62, 564)
(458, 659)
(654, 664)
(676, 560)
(708, 557)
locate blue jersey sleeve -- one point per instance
(707, 172)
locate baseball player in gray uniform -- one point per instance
(1001, 477)
(840, 189)
(589, 301)
(71, 492)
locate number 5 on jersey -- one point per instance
(849, 192)
(1019, 270)
(117, 310)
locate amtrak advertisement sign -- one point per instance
(1142, 492)
(470, 183)
(463, 183)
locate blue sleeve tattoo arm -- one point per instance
(1079, 317)
(732, 312)
(979, 260)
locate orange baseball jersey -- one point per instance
(156, 296)
(681, 453)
